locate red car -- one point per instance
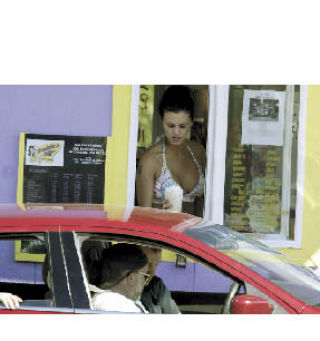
(216, 270)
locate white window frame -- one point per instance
(216, 155)
(132, 150)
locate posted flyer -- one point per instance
(63, 169)
(263, 117)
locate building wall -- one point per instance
(309, 253)
(78, 110)
(83, 110)
(88, 110)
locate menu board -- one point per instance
(254, 161)
(63, 169)
(255, 194)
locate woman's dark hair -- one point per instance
(116, 263)
(177, 98)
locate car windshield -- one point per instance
(278, 268)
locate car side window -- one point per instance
(28, 270)
(21, 260)
(193, 286)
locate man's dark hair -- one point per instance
(117, 262)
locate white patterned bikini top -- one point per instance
(165, 179)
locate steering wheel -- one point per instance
(232, 293)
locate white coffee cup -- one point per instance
(174, 194)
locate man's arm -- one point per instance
(163, 295)
(168, 305)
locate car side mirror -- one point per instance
(250, 304)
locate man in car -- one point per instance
(119, 279)
(156, 297)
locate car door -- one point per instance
(62, 289)
(38, 295)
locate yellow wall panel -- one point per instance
(309, 252)
(20, 169)
(117, 147)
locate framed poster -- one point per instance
(61, 169)
(29, 250)
(58, 169)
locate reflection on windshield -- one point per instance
(271, 264)
(223, 238)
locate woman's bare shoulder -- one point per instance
(152, 152)
(197, 148)
(199, 152)
(151, 156)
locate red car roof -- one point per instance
(77, 215)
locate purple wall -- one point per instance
(23, 272)
(194, 277)
(83, 110)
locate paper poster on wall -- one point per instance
(62, 169)
(44, 153)
(263, 117)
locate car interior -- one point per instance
(189, 298)
(31, 280)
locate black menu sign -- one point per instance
(64, 169)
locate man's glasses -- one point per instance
(145, 275)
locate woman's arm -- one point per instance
(199, 153)
(145, 179)
(202, 159)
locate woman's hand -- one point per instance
(166, 204)
(10, 301)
